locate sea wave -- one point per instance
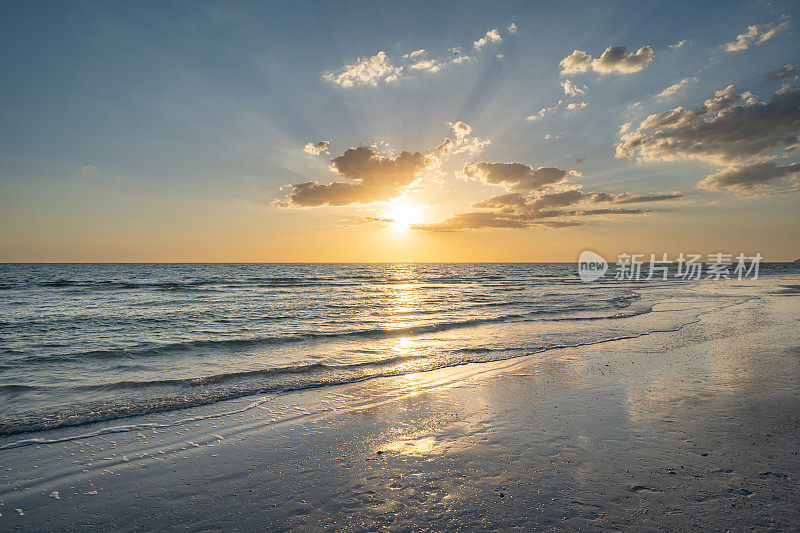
(365, 333)
(212, 389)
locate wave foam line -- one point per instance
(135, 427)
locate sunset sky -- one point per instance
(388, 131)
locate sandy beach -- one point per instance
(690, 429)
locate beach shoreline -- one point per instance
(689, 429)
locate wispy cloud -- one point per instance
(543, 111)
(574, 106)
(675, 88)
(573, 89)
(756, 35)
(379, 68)
(784, 73)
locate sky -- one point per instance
(397, 131)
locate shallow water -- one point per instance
(81, 342)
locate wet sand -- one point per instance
(698, 428)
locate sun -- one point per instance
(402, 216)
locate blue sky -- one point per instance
(120, 121)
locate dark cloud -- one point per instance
(516, 176)
(514, 210)
(749, 177)
(626, 198)
(570, 197)
(733, 129)
(556, 224)
(474, 220)
(503, 200)
(729, 127)
(557, 199)
(789, 71)
(372, 176)
(600, 197)
(612, 211)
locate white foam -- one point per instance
(134, 427)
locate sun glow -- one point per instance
(402, 216)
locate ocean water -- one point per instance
(81, 343)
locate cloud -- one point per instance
(462, 142)
(626, 198)
(503, 200)
(577, 105)
(492, 36)
(316, 149)
(789, 71)
(571, 197)
(419, 62)
(446, 146)
(730, 127)
(756, 35)
(544, 111)
(573, 89)
(676, 87)
(428, 65)
(474, 220)
(576, 62)
(372, 178)
(415, 54)
(733, 129)
(614, 60)
(680, 44)
(544, 210)
(377, 69)
(375, 177)
(461, 129)
(515, 176)
(749, 177)
(365, 71)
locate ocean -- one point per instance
(81, 343)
